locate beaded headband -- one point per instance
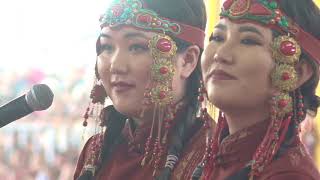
(268, 13)
(134, 13)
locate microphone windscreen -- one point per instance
(39, 97)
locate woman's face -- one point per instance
(124, 66)
(237, 64)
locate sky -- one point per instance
(48, 34)
(53, 35)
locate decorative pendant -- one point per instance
(284, 77)
(286, 50)
(283, 104)
(162, 47)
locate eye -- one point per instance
(250, 42)
(108, 48)
(138, 48)
(216, 38)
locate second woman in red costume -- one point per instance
(261, 69)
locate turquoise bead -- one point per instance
(273, 5)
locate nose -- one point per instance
(224, 54)
(119, 63)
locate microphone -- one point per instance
(39, 98)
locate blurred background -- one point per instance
(53, 42)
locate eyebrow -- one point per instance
(221, 27)
(105, 36)
(128, 35)
(250, 29)
(241, 29)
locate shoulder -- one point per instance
(92, 144)
(86, 153)
(290, 175)
(295, 164)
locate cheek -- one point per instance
(205, 60)
(256, 79)
(103, 68)
(260, 71)
(141, 72)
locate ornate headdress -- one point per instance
(135, 13)
(286, 51)
(267, 13)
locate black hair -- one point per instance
(190, 12)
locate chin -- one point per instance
(222, 100)
(127, 109)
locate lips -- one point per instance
(219, 74)
(121, 86)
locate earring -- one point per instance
(159, 93)
(286, 52)
(204, 116)
(97, 96)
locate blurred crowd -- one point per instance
(45, 145)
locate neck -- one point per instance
(137, 121)
(243, 118)
(145, 119)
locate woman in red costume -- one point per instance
(261, 69)
(147, 64)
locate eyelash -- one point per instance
(216, 38)
(136, 48)
(250, 42)
(245, 41)
(106, 47)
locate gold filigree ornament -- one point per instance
(283, 104)
(284, 77)
(162, 47)
(162, 71)
(286, 50)
(161, 94)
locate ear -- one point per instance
(304, 72)
(190, 58)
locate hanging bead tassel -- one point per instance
(213, 148)
(149, 142)
(168, 122)
(86, 116)
(204, 116)
(300, 113)
(94, 110)
(281, 116)
(158, 150)
(147, 151)
(207, 161)
(155, 155)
